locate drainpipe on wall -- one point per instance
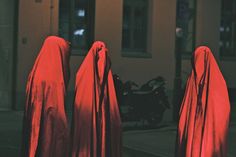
(177, 95)
(51, 17)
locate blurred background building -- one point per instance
(140, 35)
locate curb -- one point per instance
(133, 152)
(167, 128)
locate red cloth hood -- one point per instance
(52, 63)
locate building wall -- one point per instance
(40, 19)
(162, 41)
(35, 25)
(7, 51)
(37, 19)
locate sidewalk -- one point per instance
(140, 143)
(161, 142)
(10, 133)
(156, 143)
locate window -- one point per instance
(76, 23)
(186, 19)
(135, 23)
(228, 29)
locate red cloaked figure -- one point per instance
(205, 110)
(96, 124)
(45, 127)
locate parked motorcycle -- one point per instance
(147, 103)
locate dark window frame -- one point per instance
(132, 51)
(187, 13)
(227, 14)
(90, 22)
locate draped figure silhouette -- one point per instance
(205, 109)
(45, 130)
(96, 126)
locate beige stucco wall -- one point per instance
(161, 40)
(35, 25)
(37, 20)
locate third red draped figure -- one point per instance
(205, 109)
(96, 124)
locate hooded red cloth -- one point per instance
(96, 124)
(45, 131)
(204, 113)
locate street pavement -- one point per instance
(161, 142)
(137, 143)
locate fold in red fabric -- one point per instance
(96, 124)
(205, 110)
(45, 130)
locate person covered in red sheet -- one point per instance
(205, 110)
(45, 130)
(96, 123)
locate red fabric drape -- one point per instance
(96, 124)
(45, 131)
(205, 109)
